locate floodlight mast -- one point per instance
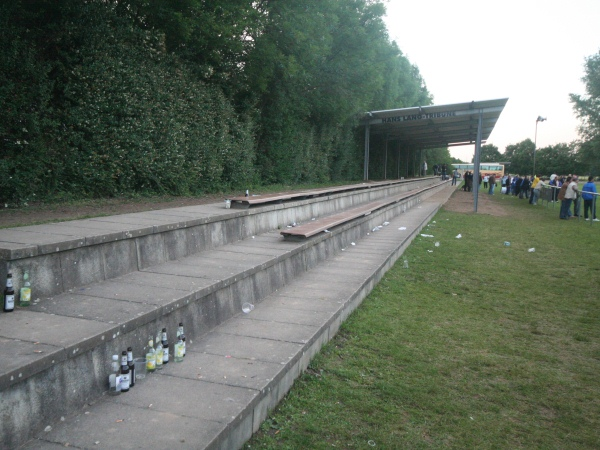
(539, 119)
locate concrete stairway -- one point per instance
(195, 267)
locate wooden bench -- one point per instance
(243, 202)
(324, 224)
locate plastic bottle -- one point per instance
(114, 379)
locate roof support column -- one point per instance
(398, 157)
(476, 161)
(366, 163)
(385, 160)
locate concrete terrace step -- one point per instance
(57, 351)
(233, 375)
(63, 256)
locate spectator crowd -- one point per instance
(563, 189)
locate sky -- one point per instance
(529, 51)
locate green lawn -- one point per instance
(475, 345)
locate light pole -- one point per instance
(539, 119)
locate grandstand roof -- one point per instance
(436, 126)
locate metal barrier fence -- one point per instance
(549, 195)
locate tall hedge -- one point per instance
(112, 114)
(107, 98)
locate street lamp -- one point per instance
(539, 119)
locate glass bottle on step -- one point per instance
(151, 357)
(125, 373)
(9, 294)
(159, 352)
(114, 379)
(165, 345)
(131, 367)
(182, 334)
(25, 293)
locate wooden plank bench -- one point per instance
(323, 224)
(243, 202)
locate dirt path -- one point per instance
(461, 201)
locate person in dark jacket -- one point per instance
(587, 193)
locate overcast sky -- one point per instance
(529, 51)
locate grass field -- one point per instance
(474, 345)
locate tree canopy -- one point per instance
(587, 108)
(107, 97)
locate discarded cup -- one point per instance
(531, 250)
(405, 264)
(227, 204)
(140, 368)
(247, 307)
(437, 244)
(506, 244)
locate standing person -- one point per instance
(486, 179)
(524, 190)
(424, 168)
(534, 182)
(454, 177)
(492, 181)
(444, 171)
(503, 183)
(537, 191)
(517, 183)
(566, 196)
(508, 185)
(577, 199)
(587, 193)
(554, 187)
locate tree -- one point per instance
(559, 159)
(587, 109)
(489, 153)
(520, 157)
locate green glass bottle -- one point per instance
(151, 357)
(25, 292)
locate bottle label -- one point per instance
(125, 381)
(118, 380)
(9, 301)
(9, 283)
(165, 355)
(150, 362)
(179, 351)
(25, 295)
